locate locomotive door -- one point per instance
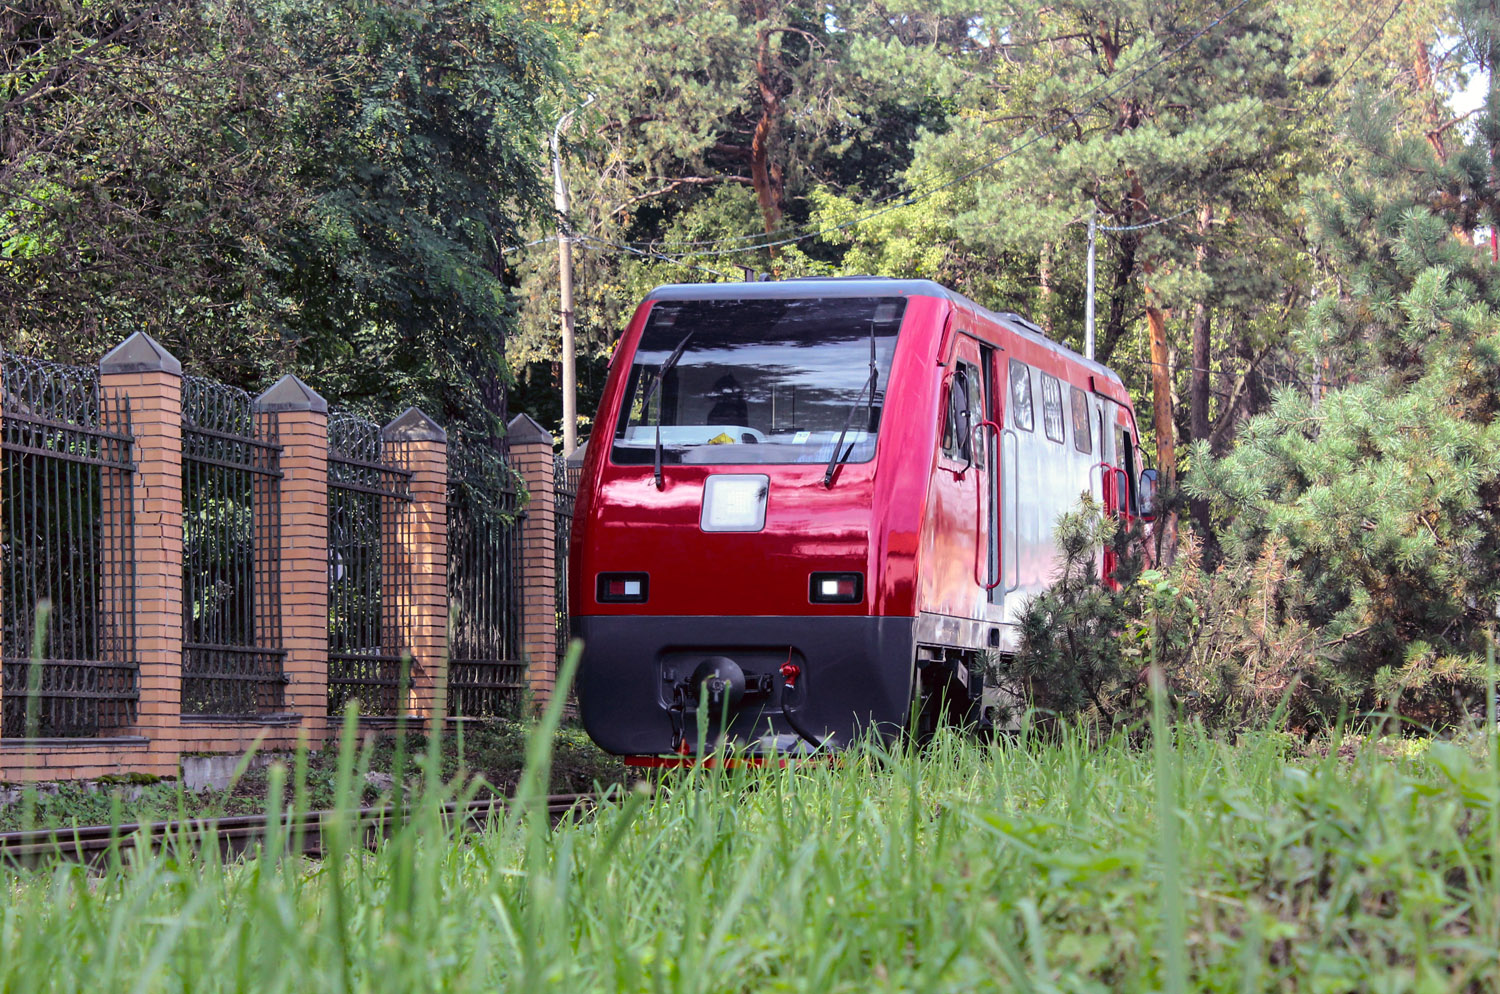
(978, 451)
(991, 442)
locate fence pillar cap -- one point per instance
(290, 394)
(140, 353)
(411, 425)
(523, 429)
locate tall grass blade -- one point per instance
(34, 674)
(1169, 856)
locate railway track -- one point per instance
(235, 834)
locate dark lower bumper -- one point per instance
(856, 673)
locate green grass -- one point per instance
(1023, 865)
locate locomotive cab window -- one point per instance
(1021, 414)
(717, 382)
(1052, 408)
(1083, 436)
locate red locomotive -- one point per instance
(816, 505)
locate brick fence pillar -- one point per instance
(302, 428)
(152, 378)
(531, 456)
(416, 442)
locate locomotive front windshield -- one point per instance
(719, 382)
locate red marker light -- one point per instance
(616, 588)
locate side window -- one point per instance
(955, 432)
(965, 409)
(950, 447)
(1021, 415)
(976, 411)
(1125, 468)
(1052, 408)
(1083, 436)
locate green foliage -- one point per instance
(422, 163)
(147, 159)
(1385, 493)
(1074, 658)
(324, 186)
(1068, 864)
(719, 140)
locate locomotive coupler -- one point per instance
(790, 674)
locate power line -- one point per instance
(526, 245)
(1356, 61)
(605, 243)
(1147, 224)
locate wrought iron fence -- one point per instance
(369, 584)
(565, 484)
(66, 532)
(485, 671)
(231, 524)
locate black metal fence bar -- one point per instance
(66, 534)
(369, 584)
(231, 593)
(565, 476)
(486, 674)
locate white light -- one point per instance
(734, 503)
(632, 588)
(830, 588)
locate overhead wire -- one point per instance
(605, 243)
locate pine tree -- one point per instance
(1385, 491)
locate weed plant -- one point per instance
(1057, 864)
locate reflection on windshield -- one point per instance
(758, 381)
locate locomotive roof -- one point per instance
(871, 286)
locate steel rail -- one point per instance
(236, 833)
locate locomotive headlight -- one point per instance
(734, 503)
(836, 588)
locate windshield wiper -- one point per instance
(661, 374)
(866, 393)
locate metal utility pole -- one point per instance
(561, 204)
(1088, 314)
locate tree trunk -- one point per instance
(1198, 391)
(1166, 441)
(1431, 102)
(765, 175)
(1044, 280)
(1114, 327)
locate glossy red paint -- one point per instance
(943, 542)
(869, 521)
(913, 520)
